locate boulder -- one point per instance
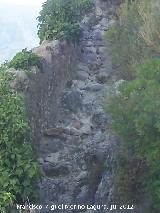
(72, 101)
(102, 77)
(55, 131)
(21, 81)
(82, 197)
(88, 21)
(104, 22)
(51, 145)
(91, 49)
(82, 75)
(96, 34)
(100, 120)
(78, 84)
(93, 87)
(53, 171)
(83, 67)
(82, 177)
(77, 124)
(52, 158)
(61, 131)
(99, 11)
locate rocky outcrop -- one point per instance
(70, 128)
(46, 84)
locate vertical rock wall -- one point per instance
(57, 64)
(70, 128)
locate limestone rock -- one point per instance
(93, 87)
(52, 158)
(82, 176)
(102, 77)
(82, 75)
(21, 81)
(78, 84)
(99, 11)
(100, 119)
(72, 101)
(59, 131)
(82, 197)
(75, 145)
(54, 171)
(88, 21)
(35, 70)
(83, 67)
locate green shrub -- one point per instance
(24, 60)
(150, 29)
(18, 168)
(60, 19)
(135, 36)
(136, 119)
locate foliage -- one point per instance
(150, 30)
(24, 60)
(18, 166)
(136, 119)
(60, 19)
(134, 52)
(135, 36)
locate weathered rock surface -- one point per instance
(70, 128)
(21, 80)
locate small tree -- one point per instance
(135, 36)
(136, 119)
(24, 60)
(60, 19)
(18, 166)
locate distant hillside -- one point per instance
(18, 29)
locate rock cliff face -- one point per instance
(69, 125)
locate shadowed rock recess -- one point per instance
(70, 128)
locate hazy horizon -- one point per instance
(22, 2)
(18, 27)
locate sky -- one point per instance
(18, 26)
(23, 2)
